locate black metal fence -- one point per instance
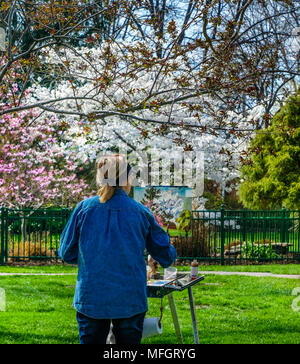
(238, 237)
(216, 236)
(31, 234)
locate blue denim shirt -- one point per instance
(107, 241)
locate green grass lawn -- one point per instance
(237, 310)
(268, 268)
(229, 310)
(65, 268)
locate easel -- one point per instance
(167, 290)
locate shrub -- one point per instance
(29, 250)
(234, 243)
(258, 251)
(197, 245)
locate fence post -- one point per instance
(244, 225)
(192, 231)
(282, 230)
(2, 237)
(222, 236)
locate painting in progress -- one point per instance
(165, 202)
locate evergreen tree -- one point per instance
(272, 172)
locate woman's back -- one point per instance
(107, 241)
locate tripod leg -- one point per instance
(193, 313)
(175, 318)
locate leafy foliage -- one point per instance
(271, 173)
(184, 221)
(259, 252)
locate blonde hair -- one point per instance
(111, 172)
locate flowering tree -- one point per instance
(135, 132)
(164, 71)
(34, 170)
(233, 51)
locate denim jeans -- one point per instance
(95, 331)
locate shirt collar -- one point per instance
(120, 191)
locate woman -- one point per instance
(106, 236)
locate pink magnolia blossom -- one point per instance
(33, 169)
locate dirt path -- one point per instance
(252, 274)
